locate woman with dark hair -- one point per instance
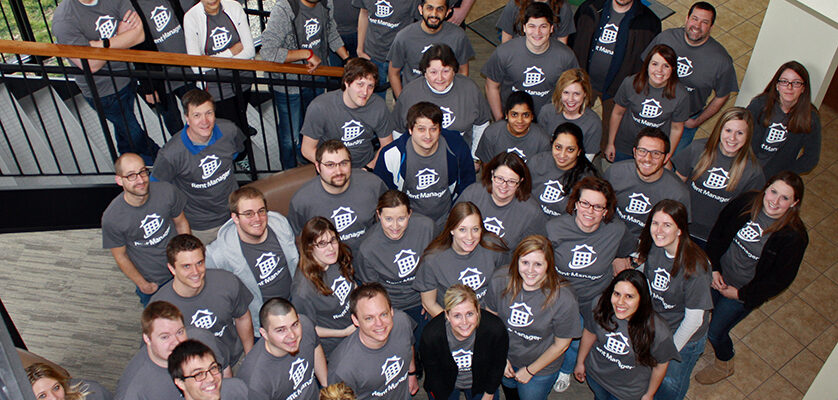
(541, 315)
(511, 19)
(651, 98)
(632, 343)
(503, 196)
(50, 383)
(718, 169)
(679, 277)
(555, 172)
(755, 248)
(516, 133)
(462, 253)
(585, 240)
(322, 282)
(463, 349)
(786, 122)
(390, 252)
(572, 102)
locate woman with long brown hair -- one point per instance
(48, 383)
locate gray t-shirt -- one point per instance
(512, 222)
(603, 53)
(223, 299)
(426, 182)
(497, 139)
(383, 372)
(290, 377)
(547, 187)
(236, 389)
(203, 173)
(269, 266)
(517, 68)
(532, 326)
(438, 271)
(708, 193)
(77, 24)
(509, 16)
(164, 27)
(392, 263)
(412, 42)
(310, 25)
(142, 379)
(589, 122)
(701, 69)
(739, 262)
(328, 117)
(651, 109)
(672, 294)
(635, 198)
(386, 19)
(584, 258)
(612, 362)
(145, 230)
(462, 351)
(222, 34)
(346, 17)
(352, 211)
(330, 311)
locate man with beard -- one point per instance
(344, 196)
(411, 42)
(138, 224)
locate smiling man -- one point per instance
(197, 374)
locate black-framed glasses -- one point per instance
(794, 84)
(146, 171)
(656, 154)
(214, 369)
(323, 243)
(502, 181)
(250, 213)
(587, 206)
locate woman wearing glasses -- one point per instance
(786, 122)
(585, 240)
(503, 197)
(555, 172)
(571, 103)
(323, 280)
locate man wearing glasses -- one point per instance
(344, 196)
(639, 184)
(138, 224)
(257, 246)
(197, 375)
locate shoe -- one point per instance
(562, 383)
(715, 372)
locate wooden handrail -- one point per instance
(157, 57)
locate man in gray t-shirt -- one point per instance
(138, 224)
(378, 23)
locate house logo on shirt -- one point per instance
(638, 204)
(161, 17)
(553, 192)
(383, 9)
(462, 358)
(609, 34)
(583, 256)
(426, 48)
(651, 109)
(494, 225)
(391, 368)
(533, 76)
(204, 319)
(520, 315)
(661, 280)
(406, 261)
(472, 278)
(685, 67)
(448, 117)
(343, 217)
(425, 178)
(341, 288)
(751, 232)
(311, 26)
(298, 371)
(150, 224)
(617, 343)
(106, 26)
(266, 263)
(776, 133)
(220, 37)
(209, 165)
(517, 151)
(717, 179)
(351, 130)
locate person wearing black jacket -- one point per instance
(756, 248)
(463, 349)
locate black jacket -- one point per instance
(780, 259)
(491, 344)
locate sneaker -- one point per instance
(562, 383)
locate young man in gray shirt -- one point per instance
(195, 370)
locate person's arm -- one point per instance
(363, 24)
(460, 13)
(181, 224)
(120, 254)
(463, 70)
(675, 131)
(129, 33)
(308, 148)
(332, 332)
(709, 111)
(412, 380)
(321, 371)
(658, 372)
(505, 37)
(613, 126)
(811, 149)
(493, 97)
(585, 345)
(620, 264)
(244, 327)
(248, 50)
(394, 76)
(563, 39)
(693, 319)
(429, 303)
(523, 375)
(383, 141)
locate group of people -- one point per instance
(480, 254)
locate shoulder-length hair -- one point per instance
(641, 79)
(521, 18)
(583, 166)
(517, 165)
(310, 268)
(40, 370)
(458, 294)
(800, 114)
(567, 78)
(595, 184)
(688, 255)
(458, 213)
(552, 282)
(641, 325)
(743, 158)
(792, 217)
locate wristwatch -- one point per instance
(106, 43)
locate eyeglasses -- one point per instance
(501, 181)
(656, 154)
(214, 369)
(331, 165)
(146, 171)
(250, 213)
(587, 206)
(322, 244)
(794, 84)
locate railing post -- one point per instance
(242, 103)
(22, 20)
(100, 110)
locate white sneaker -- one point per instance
(562, 383)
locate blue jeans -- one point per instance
(688, 135)
(726, 314)
(536, 389)
(620, 156)
(383, 67)
(288, 128)
(146, 298)
(350, 42)
(130, 137)
(571, 353)
(677, 379)
(600, 393)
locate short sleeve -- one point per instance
(624, 92)
(726, 81)
(163, 169)
(111, 238)
(684, 161)
(682, 107)
(313, 124)
(243, 298)
(506, 21)
(178, 202)
(493, 69)
(663, 347)
(425, 281)
(566, 321)
(697, 290)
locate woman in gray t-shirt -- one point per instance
(571, 102)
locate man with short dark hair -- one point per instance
(196, 373)
(383, 344)
(199, 162)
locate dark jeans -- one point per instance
(291, 109)
(455, 395)
(145, 298)
(130, 137)
(677, 380)
(421, 320)
(600, 393)
(229, 109)
(167, 106)
(726, 314)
